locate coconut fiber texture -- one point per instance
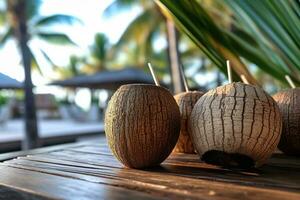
(289, 105)
(142, 125)
(235, 125)
(186, 102)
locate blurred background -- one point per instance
(61, 60)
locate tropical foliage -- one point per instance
(98, 57)
(139, 36)
(138, 42)
(275, 25)
(23, 24)
(265, 33)
(39, 27)
(74, 68)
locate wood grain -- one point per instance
(289, 104)
(275, 175)
(236, 119)
(11, 193)
(142, 125)
(153, 184)
(61, 187)
(90, 171)
(157, 181)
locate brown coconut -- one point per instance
(142, 125)
(289, 105)
(186, 102)
(236, 126)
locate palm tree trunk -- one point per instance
(174, 57)
(18, 11)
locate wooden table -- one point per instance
(89, 171)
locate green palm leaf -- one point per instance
(139, 29)
(2, 17)
(6, 36)
(140, 35)
(56, 19)
(34, 22)
(32, 8)
(100, 47)
(121, 5)
(34, 63)
(270, 20)
(263, 33)
(55, 38)
(192, 19)
(50, 61)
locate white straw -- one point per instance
(153, 75)
(184, 79)
(290, 81)
(244, 79)
(229, 71)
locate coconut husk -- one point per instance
(186, 102)
(288, 102)
(235, 125)
(142, 125)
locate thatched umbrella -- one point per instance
(107, 79)
(7, 82)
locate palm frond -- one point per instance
(5, 37)
(55, 38)
(139, 29)
(276, 26)
(57, 19)
(3, 17)
(32, 8)
(140, 35)
(34, 63)
(265, 33)
(119, 6)
(100, 47)
(49, 60)
(192, 19)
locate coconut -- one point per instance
(289, 105)
(236, 126)
(186, 102)
(142, 125)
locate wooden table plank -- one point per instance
(181, 176)
(153, 183)
(61, 187)
(11, 193)
(190, 166)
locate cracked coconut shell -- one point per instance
(289, 105)
(186, 102)
(235, 125)
(142, 125)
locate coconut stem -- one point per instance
(184, 79)
(244, 79)
(290, 81)
(153, 75)
(229, 71)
